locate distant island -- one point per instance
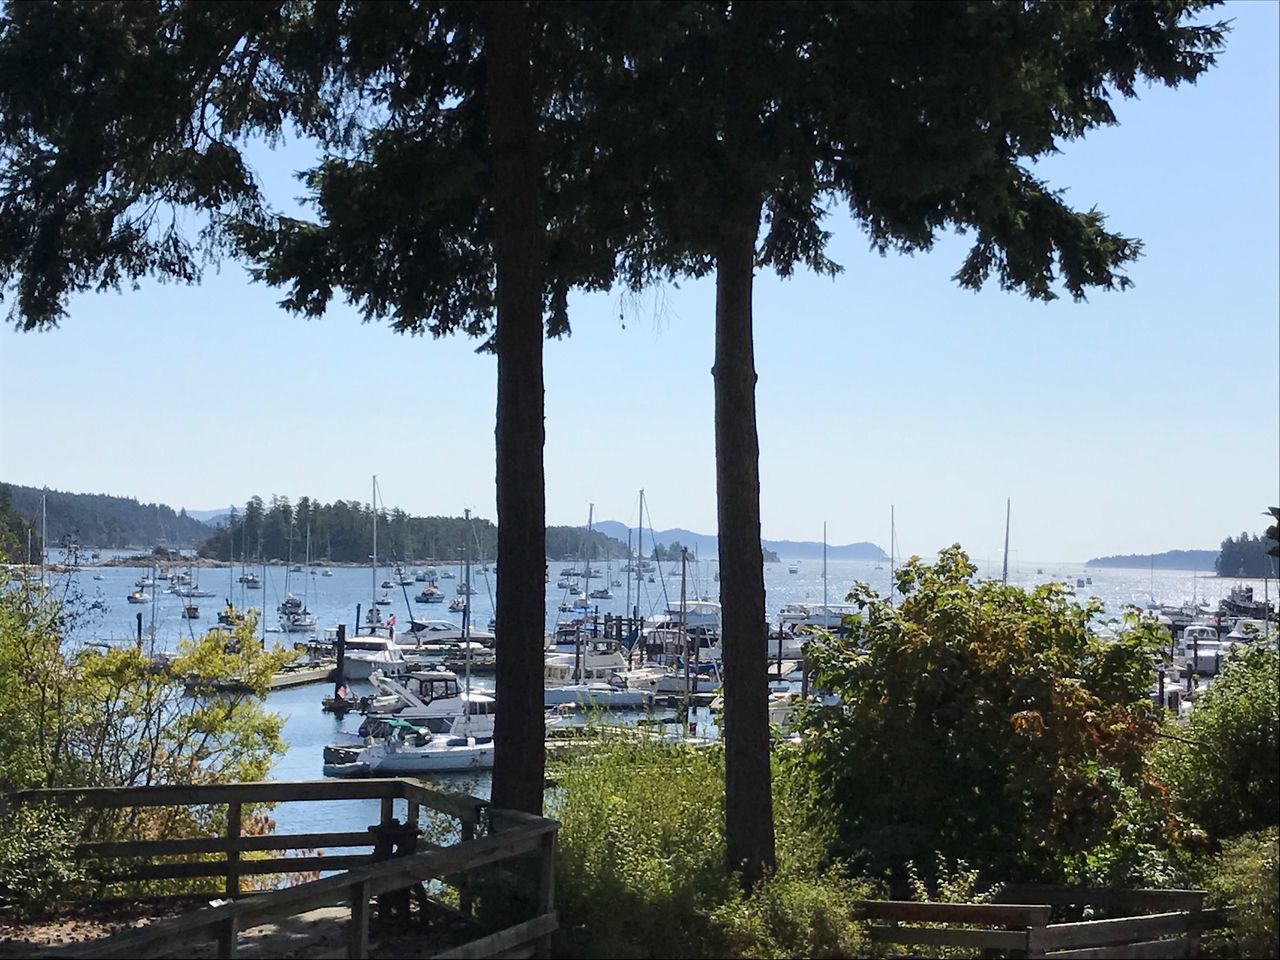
(706, 545)
(1202, 560)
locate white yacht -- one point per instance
(441, 631)
(584, 680)
(367, 652)
(425, 698)
(409, 749)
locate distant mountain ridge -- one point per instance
(706, 545)
(1202, 560)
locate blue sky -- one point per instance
(1136, 422)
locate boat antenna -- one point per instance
(1008, 510)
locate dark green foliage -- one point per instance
(1246, 556)
(342, 532)
(981, 722)
(103, 521)
(1245, 879)
(1169, 560)
(1224, 770)
(37, 857)
(14, 529)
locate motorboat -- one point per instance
(447, 575)
(425, 698)
(601, 696)
(190, 611)
(409, 749)
(369, 651)
(251, 580)
(457, 604)
(441, 631)
(383, 601)
(581, 602)
(822, 616)
(138, 597)
(601, 593)
(465, 589)
(98, 576)
(793, 569)
(296, 568)
(294, 617)
(1246, 630)
(430, 595)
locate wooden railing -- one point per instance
(397, 862)
(1160, 923)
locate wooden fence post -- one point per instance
(1195, 924)
(230, 930)
(233, 852)
(546, 889)
(358, 943)
(465, 897)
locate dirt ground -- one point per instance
(314, 935)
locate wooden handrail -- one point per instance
(373, 879)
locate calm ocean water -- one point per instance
(334, 599)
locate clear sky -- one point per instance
(1137, 422)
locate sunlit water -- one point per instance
(106, 617)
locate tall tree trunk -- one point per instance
(748, 802)
(518, 766)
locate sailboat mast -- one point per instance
(684, 627)
(466, 609)
(44, 536)
(231, 555)
(374, 572)
(825, 616)
(306, 577)
(893, 542)
(1008, 510)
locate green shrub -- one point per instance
(1245, 879)
(640, 863)
(1223, 770)
(37, 862)
(976, 720)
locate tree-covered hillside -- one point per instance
(16, 531)
(1248, 555)
(342, 532)
(95, 519)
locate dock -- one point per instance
(302, 676)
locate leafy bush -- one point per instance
(1245, 879)
(93, 717)
(37, 862)
(640, 864)
(978, 721)
(1223, 768)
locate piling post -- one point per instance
(340, 654)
